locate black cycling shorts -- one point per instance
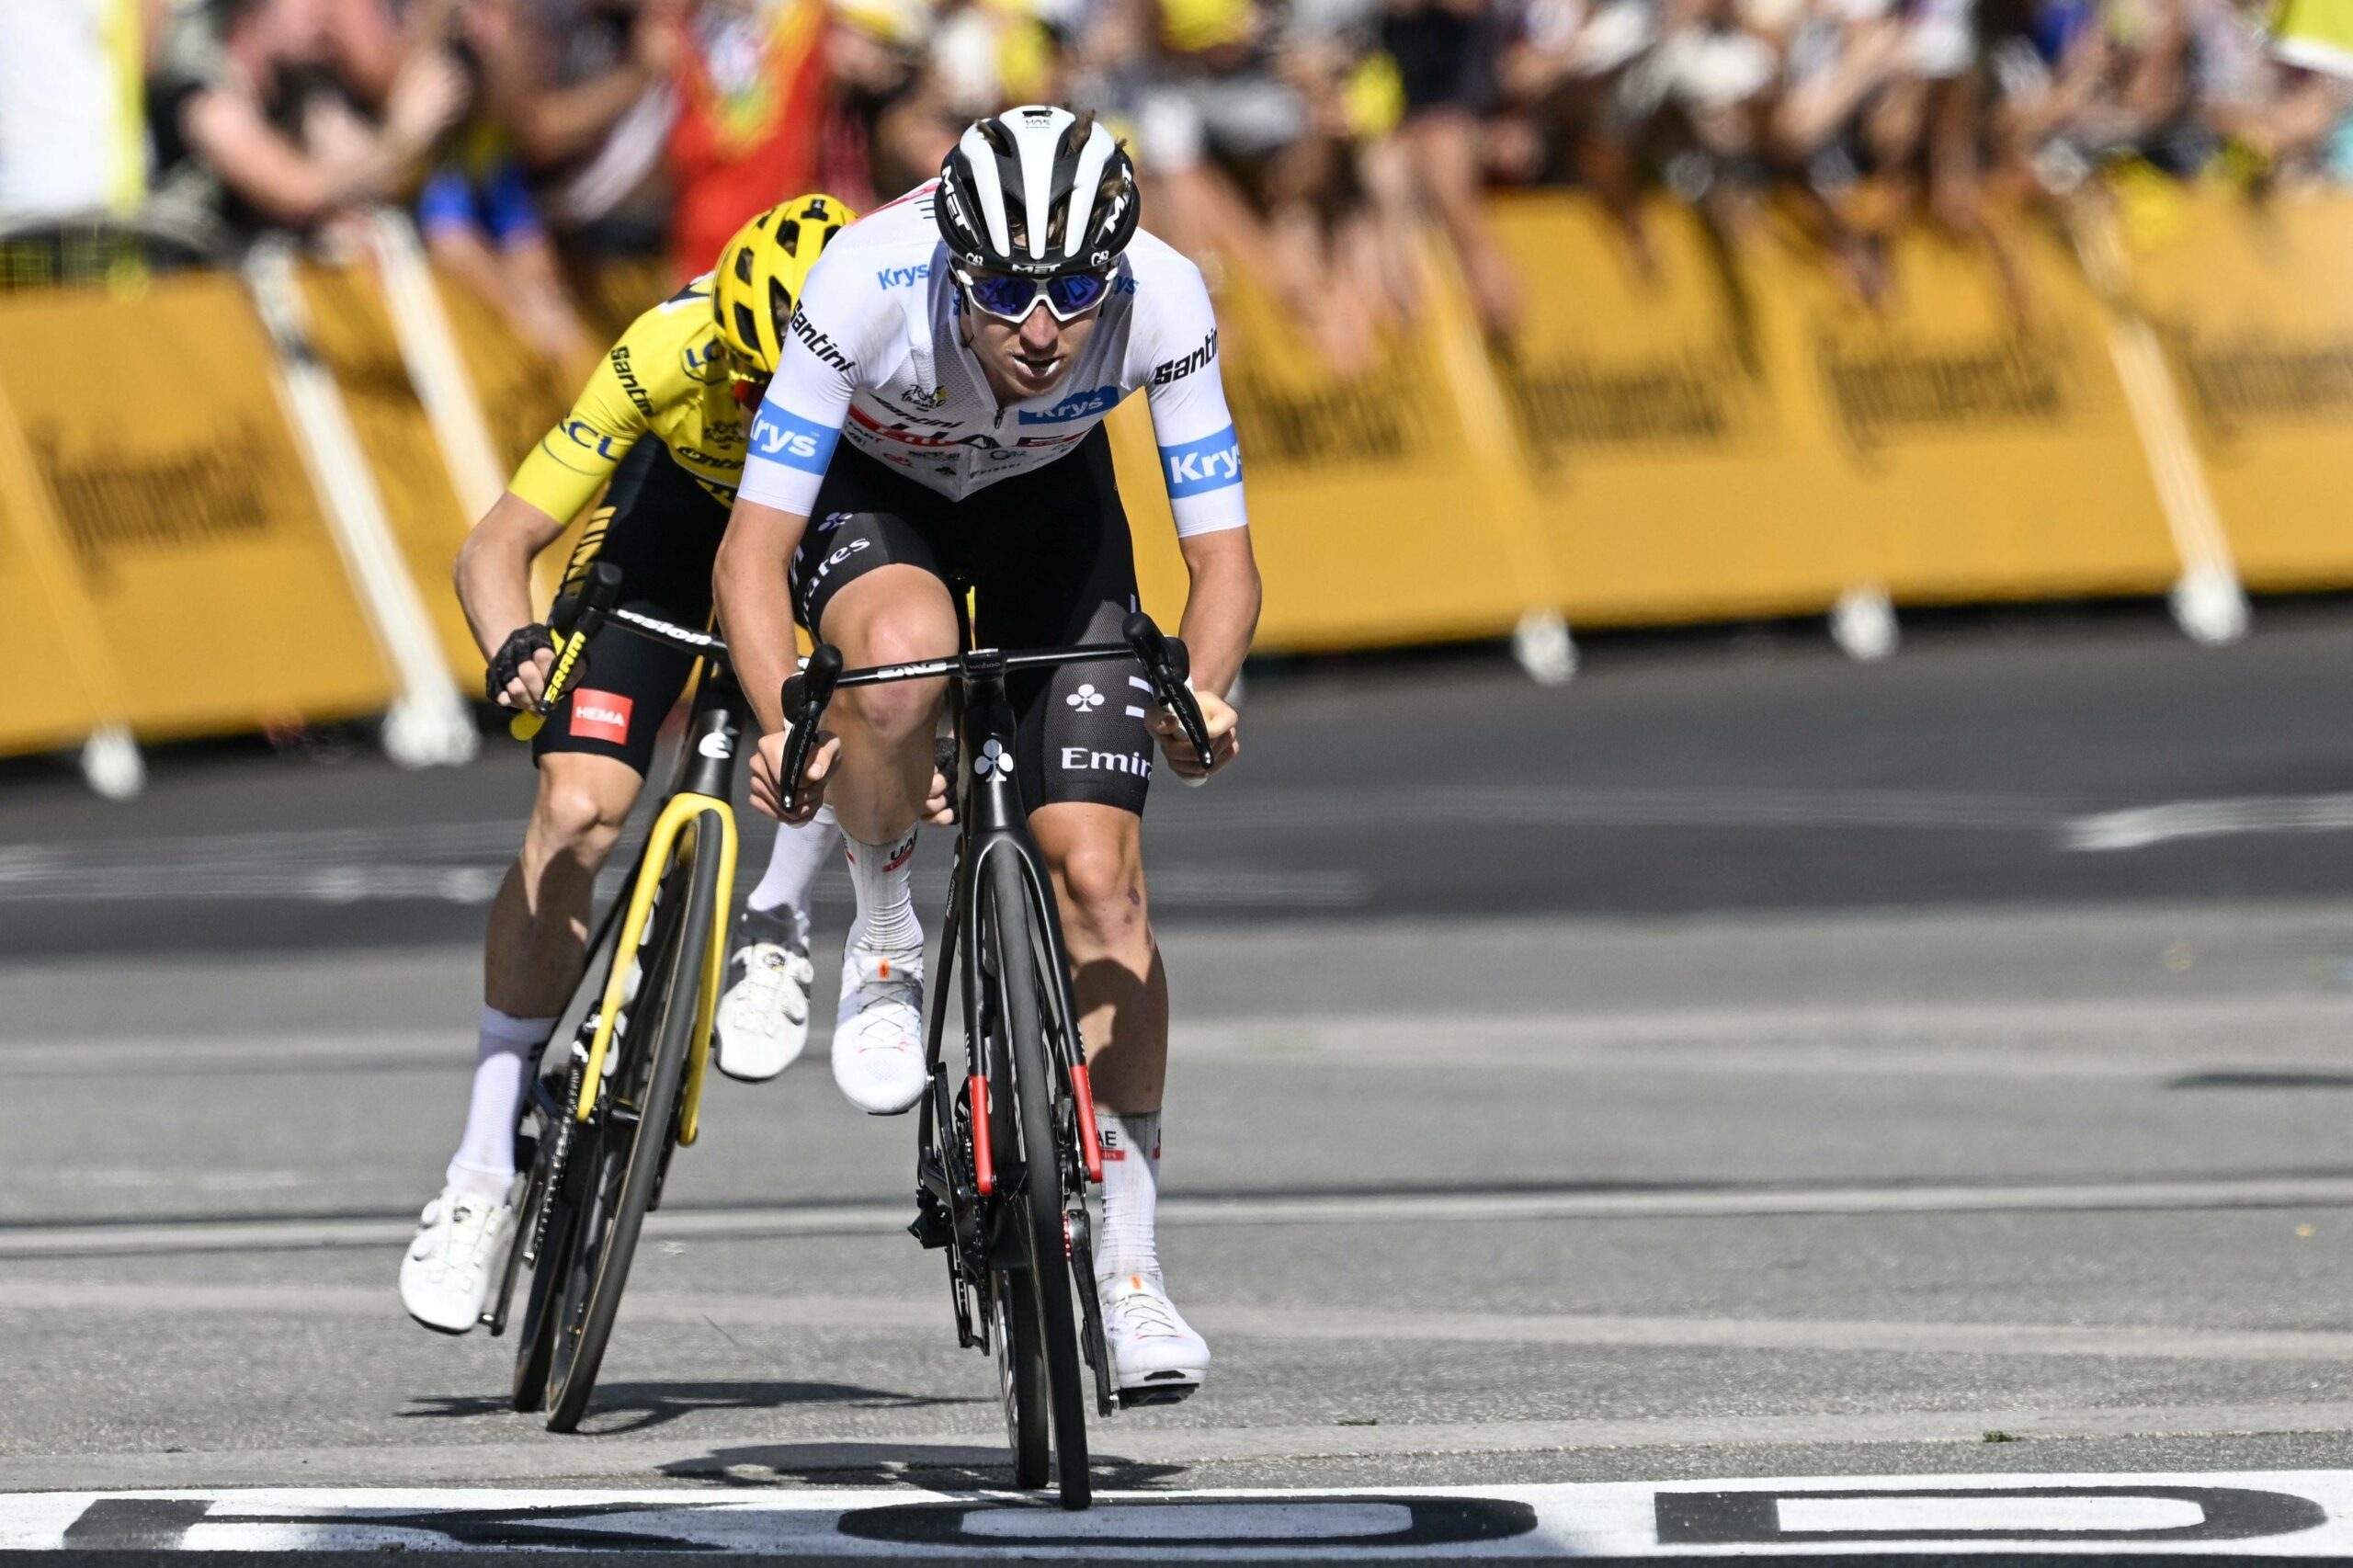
(1048, 558)
(662, 530)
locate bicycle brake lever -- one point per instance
(1166, 663)
(572, 621)
(805, 695)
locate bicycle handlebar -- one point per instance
(573, 621)
(1164, 659)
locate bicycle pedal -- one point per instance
(1150, 1393)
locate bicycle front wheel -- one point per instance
(614, 1172)
(1045, 1326)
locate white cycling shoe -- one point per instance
(763, 1022)
(458, 1257)
(1156, 1358)
(877, 1034)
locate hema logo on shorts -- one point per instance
(1210, 463)
(1079, 759)
(601, 716)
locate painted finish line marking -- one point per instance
(2290, 1513)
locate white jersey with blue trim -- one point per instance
(876, 353)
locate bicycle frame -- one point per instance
(706, 769)
(992, 819)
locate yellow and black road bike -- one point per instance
(603, 1117)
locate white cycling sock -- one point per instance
(484, 1165)
(793, 864)
(886, 919)
(1130, 1190)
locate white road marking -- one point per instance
(2142, 826)
(2257, 1514)
(2162, 1194)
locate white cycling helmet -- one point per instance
(1059, 178)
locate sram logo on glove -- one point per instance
(601, 716)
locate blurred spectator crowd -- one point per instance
(1315, 141)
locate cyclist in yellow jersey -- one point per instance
(687, 374)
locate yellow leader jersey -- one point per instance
(666, 377)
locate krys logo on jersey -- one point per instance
(783, 436)
(1078, 405)
(1210, 463)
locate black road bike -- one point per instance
(1008, 1147)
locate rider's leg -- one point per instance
(794, 860)
(537, 932)
(1095, 853)
(536, 947)
(891, 614)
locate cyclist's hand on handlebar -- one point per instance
(767, 769)
(518, 675)
(1225, 741)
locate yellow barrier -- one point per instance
(62, 684)
(2254, 307)
(1720, 435)
(193, 529)
(352, 333)
(1382, 514)
(1666, 472)
(1984, 458)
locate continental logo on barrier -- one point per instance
(1880, 388)
(1693, 398)
(1378, 416)
(116, 502)
(2243, 380)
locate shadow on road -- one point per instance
(937, 1467)
(623, 1408)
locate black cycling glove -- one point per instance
(512, 655)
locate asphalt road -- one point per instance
(1737, 1063)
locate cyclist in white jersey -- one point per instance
(934, 426)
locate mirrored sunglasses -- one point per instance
(1070, 296)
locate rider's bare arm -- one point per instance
(748, 584)
(1221, 615)
(493, 576)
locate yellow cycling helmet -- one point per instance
(761, 273)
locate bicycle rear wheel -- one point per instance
(613, 1172)
(1044, 1339)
